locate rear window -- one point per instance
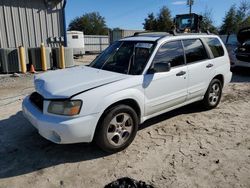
(194, 50)
(215, 46)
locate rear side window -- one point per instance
(215, 46)
(171, 52)
(194, 50)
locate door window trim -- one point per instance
(211, 55)
(204, 46)
(175, 40)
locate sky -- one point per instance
(130, 14)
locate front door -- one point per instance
(166, 89)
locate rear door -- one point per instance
(166, 89)
(200, 67)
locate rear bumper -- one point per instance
(60, 130)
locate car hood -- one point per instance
(70, 82)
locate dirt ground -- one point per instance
(188, 147)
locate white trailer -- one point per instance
(76, 41)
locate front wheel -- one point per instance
(213, 94)
(117, 129)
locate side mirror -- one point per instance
(159, 67)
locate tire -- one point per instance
(117, 129)
(213, 94)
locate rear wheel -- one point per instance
(118, 128)
(213, 94)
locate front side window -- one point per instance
(171, 52)
(215, 46)
(194, 50)
(127, 57)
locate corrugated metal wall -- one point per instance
(119, 34)
(30, 22)
(96, 43)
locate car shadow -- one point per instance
(189, 109)
(24, 151)
(241, 75)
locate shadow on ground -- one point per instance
(241, 74)
(24, 151)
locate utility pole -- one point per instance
(190, 3)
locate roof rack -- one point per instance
(143, 33)
(171, 32)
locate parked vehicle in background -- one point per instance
(243, 51)
(238, 47)
(134, 79)
(231, 44)
(76, 41)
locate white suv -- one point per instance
(134, 79)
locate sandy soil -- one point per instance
(86, 59)
(187, 147)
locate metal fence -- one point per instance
(96, 43)
(121, 33)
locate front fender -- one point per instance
(133, 94)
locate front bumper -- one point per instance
(60, 130)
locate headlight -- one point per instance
(66, 108)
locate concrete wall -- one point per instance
(30, 22)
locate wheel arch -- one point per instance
(129, 102)
(221, 78)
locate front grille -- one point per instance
(37, 100)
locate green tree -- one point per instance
(236, 19)
(230, 22)
(150, 23)
(91, 24)
(243, 13)
(207, 22)
(163, 22)
(245, 23)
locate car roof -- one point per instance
(141, 38)
(155, 37)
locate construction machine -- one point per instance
(188, 23)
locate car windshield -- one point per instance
(126, 57)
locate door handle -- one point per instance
(181, 73)
(209, 65)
